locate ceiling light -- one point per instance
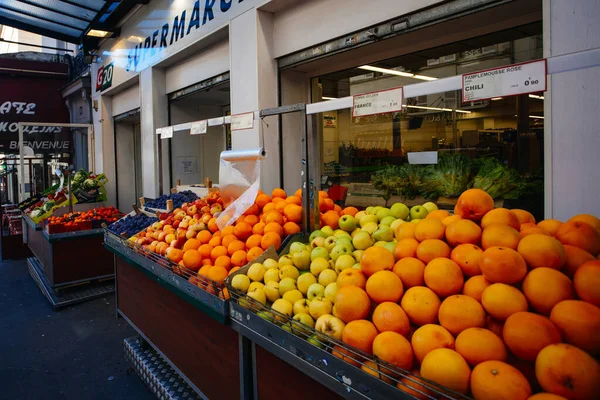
(536, 117)
(497, 98)
(397, 73)
(425, 78)
(535, 96)
(437, 109)
(329, 98)
(98, 33)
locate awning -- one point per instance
(66, 20)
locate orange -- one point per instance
(253, 241)
(390, 317)
(204, 270)
(501, 216)
(223, 261)
(294, 200)
(550, 225)
(270, 239)
(567, 371)
(430, 337)
(580, 234)
(493, 380)
(174, 255)
(262, 200)
(501, 301)
(589, 219)
(273, 216)
(415, 386)
(191, 244)
(268, 207)
(575, 258)
(331, 218)
(232, 270)
(477, 345)
(235, 246)
(384, 286)
(373, 368)
(542, 251)
(502, 265)
(579, 322)
(351, 277)
(337, 209)
(253, 254)
(421, 305)
(394, 349)
(411, 271)
(526, 334)
(447, 368)
(448, 220)
(546, 287)
(405, 231)
(473, 204)
(238, 259)
(298, 193)
(252, 211)
(217, 274)
(204, 237)
(495, 326)
(192, 259)
(432, 248)
(463, 231)
(291, 228)
(293, 212)
(259, 228)
(228, 230)
(444, 277)
(500, 235)
(352, 303)
(323, 194)
(280, 206)
(546, 396)
(212, 225)
(376, 259)
(475, 286)
(438, 214)
(534, 230)
(278, 193)
(460, 312)
(352, 211)
(274, 227)
(524, 216)
(215, 241)
(326, 205)
(360, 334)
(205, 250)
(347, 355)
(217, 252)
(430, 229)
(243, 231)
(467, 257)
(251, 220)
(406, 248)
(228, 239)
(587, 282)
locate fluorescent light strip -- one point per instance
(329, 98)
(98, 33)
(497, 98)
(397, 73)
(535, 96)
(437, 109)
(536, 117)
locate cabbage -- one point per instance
(89, 184)
(37, 213)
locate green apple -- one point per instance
(382, 213)
(326, 277)
(256, 285)
(359, 215)
(258, 295)
(345, 241)
(370, 210)
(331, 291)
(318, 265)
(316, 234)
(301, 259)
(319, 252)
(368, 219)
(315, 341)
(283, 306)
(297, 247)
(287, 327)
(381, 243)
(265, 315)
(340, 233)
(327, 230)
(285, 260)
(256, 272)
(343, 262)
(347, 223)
(384, 233)
(416, 221)
(418, 212)
(357, 266)
(399, 211)
(240, 282)
(300, 306)
(305, 318)
(391, 246)
(293, 296)
(330, 325)
(354, 232)
(320, 306)
(387, 221)
(396, 224)
(271, 275)
(317, 242)
(370, 227)
(315, 290)
(270, 263)
(362, 240)
(272, 291)
(357, 254)
(288, 271)
(340, 249)
(430, 206)
(330, 243)
(286, 284)
(304, 281)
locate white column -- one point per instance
(104, 147)
(571, 109)
(254, 87)
(153, 114)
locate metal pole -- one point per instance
(21, 166)
(314, 168)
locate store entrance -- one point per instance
(196, 157)
(128, 158)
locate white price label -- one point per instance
(506, 81)
(242, 121)
(198, 127)
(159, 131)
(382, 102)
(166, 133)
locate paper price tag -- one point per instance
(513, 80)
(382, 102)
(166, 133)
(159, 131)
(242, 121)
(198, 127)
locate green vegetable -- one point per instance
(498, 180)
(449, 177)
(48, 205)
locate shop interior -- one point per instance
(128, 158)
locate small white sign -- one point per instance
(166, 133)
(382, 102)
(513, 80)
(159, 131)
(242, 121)
(198, 127)
(423, 157)
(187, 165)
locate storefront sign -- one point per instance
(166, 132)
(198, 127)
(104, 77)
(513, 80)
(242, 121)
(382, 102)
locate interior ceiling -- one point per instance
(215, 96)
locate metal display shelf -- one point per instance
(330, 371)
(68, 296)
(159, 268)
(160, 377)
(71, 235)
(33, 225)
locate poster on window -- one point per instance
(187, 165)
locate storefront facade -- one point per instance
(178, 62)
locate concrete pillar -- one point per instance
(571, 109)
(254, 87)
(104, 147)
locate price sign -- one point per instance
(166, 133)
(242, 121)
(198, 127)
(382, 102)
(513, 80)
